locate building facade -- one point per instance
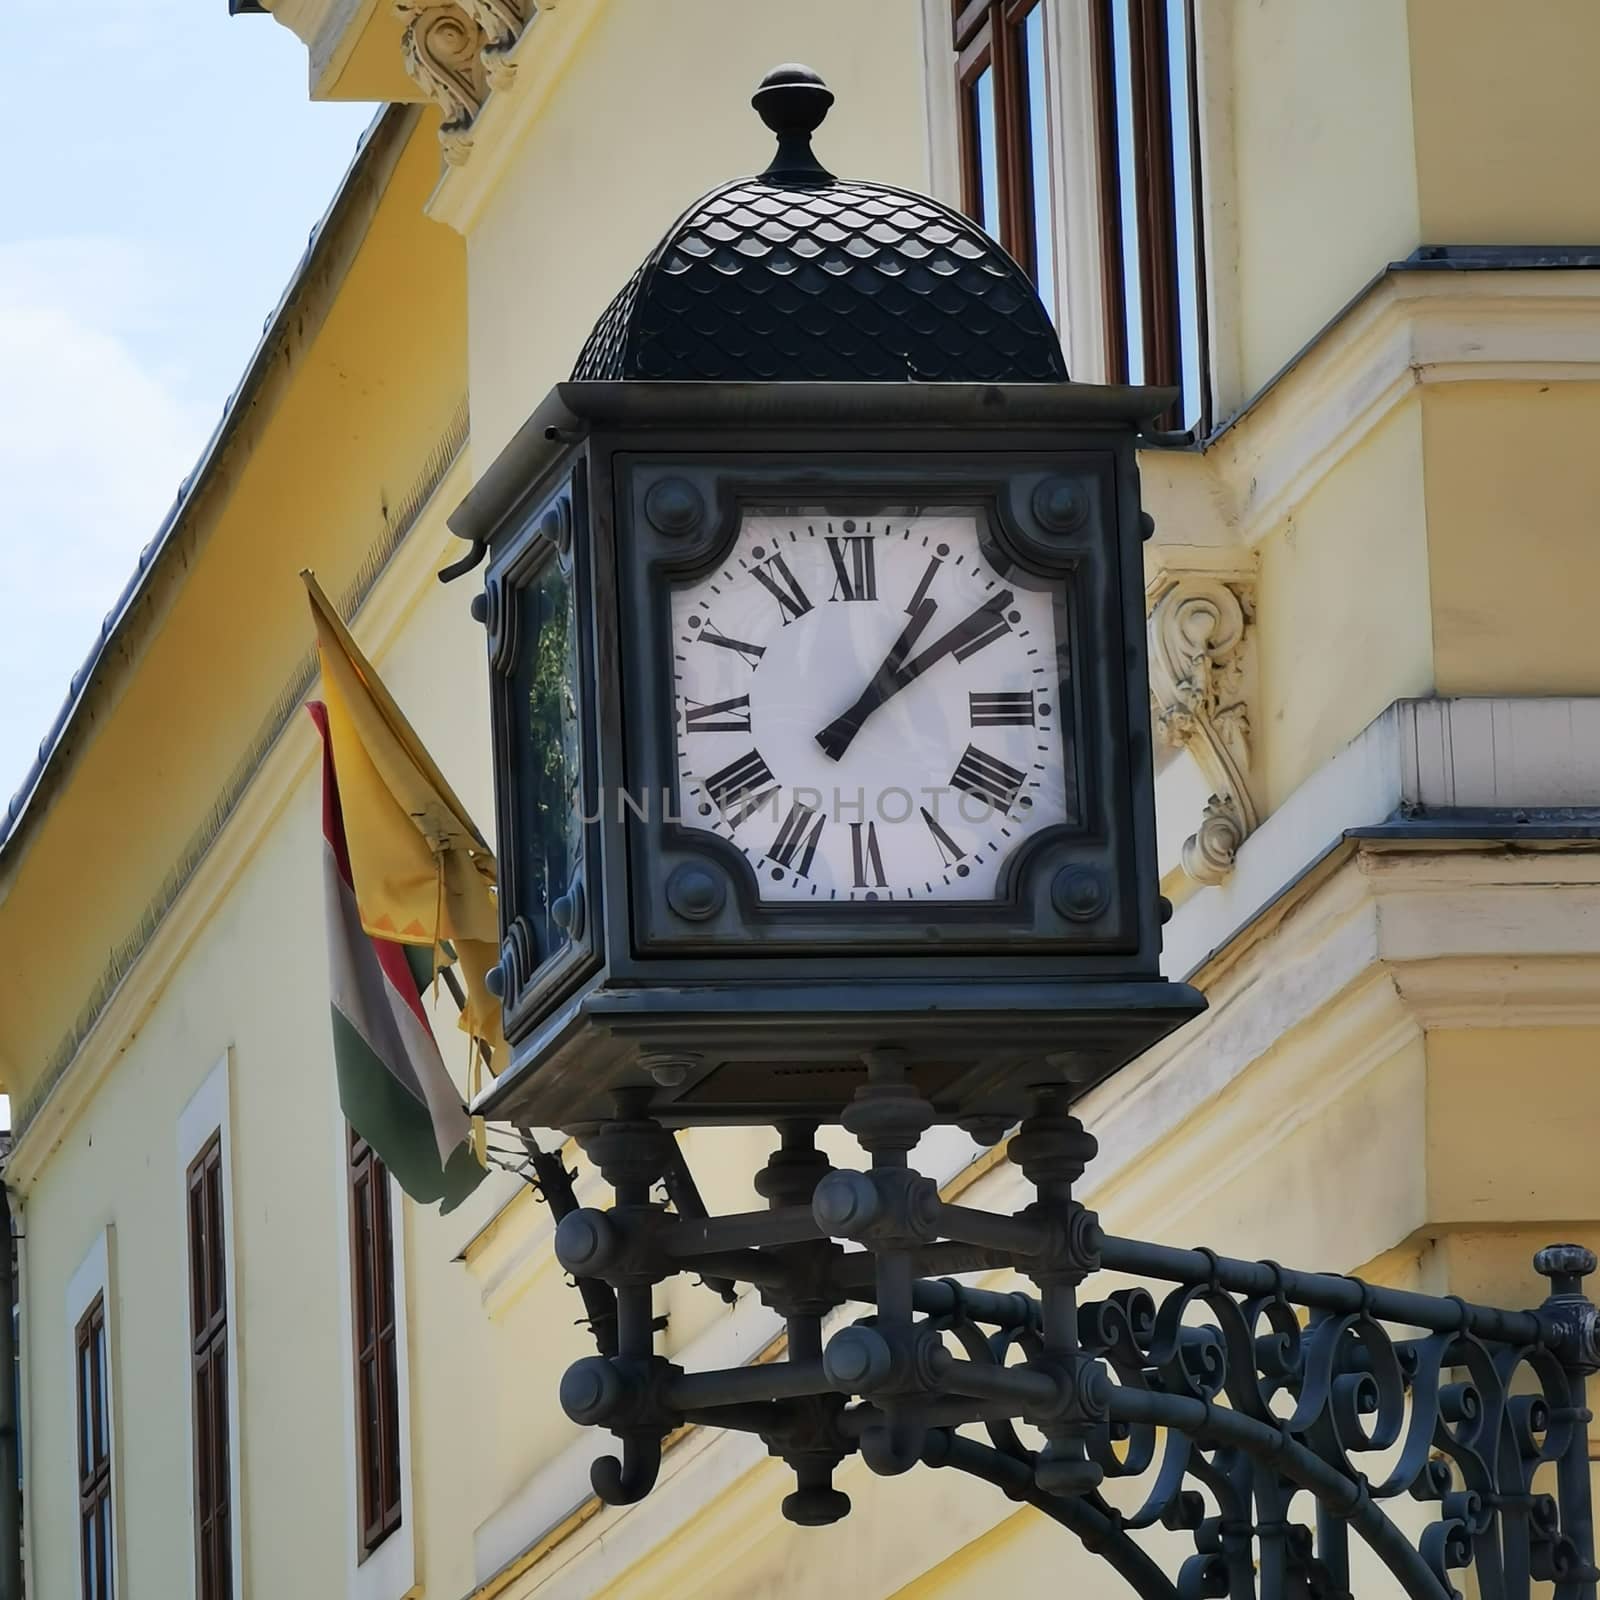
(1357, 238)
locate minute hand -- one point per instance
(985, 623)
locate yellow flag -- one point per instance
(423, 873)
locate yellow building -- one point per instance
(1359, 236)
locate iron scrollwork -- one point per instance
(1276, 1417)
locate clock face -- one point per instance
(870, 706)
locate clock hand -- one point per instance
(835, 738)
(896, 672)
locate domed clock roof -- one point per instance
(797, 275)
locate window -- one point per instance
(208, 1327)
(1130, 110)
(1146, 125)
(203, 1192)
(94, 1454)
(378, 1464)
(1005, 131)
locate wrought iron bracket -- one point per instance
(1271, 1414)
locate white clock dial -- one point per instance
(868, 708)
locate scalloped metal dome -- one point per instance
(798, 276)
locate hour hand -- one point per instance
(888, 680)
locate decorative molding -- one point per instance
(1199, 636)
(506, 117)
(502, 22)
(1405, 331)
(458, 52)
(444, 57)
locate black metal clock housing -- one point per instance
(757, 608)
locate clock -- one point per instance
(872, 703)
(821, 730)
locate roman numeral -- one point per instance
(987, 778)
(797, 837)
(741, 787)
(949, 851)
(864, 855)
(780, 582)
(855, 569)
(1005, 709)
(752, 653)
(719, 716)
(983, 634)
(922, 588)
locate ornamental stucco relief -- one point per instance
(1199, 634)
(457, 54)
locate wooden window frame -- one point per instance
(1154, 200)
(91, 1365)
(1165, 210)
(206, 1204)
(985, 35)
(375, 1353)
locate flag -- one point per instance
(393, 1086)
(422, 872)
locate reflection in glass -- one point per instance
(1043, 220)
(1128, 191)
(1184, 209)
(988, 153)
(545, 729)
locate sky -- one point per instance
(168, 170)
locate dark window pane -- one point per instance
(377, 1396)
(209, 1320)
(85, 1410)
(197, 1286)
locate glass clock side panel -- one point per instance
(545, 741)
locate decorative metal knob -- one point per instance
(858, 1360)
(695, 893)
(1061, 505)
(566, 910)
(1080, 893)
(674, 506)
(591, 1390)
(792, 100)
(586, 1242)
(846, 1201)
(1565, 1261)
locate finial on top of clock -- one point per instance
(792, 100)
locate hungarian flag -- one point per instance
(423, 874)
(393, 1086)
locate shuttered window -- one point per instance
(376, 1357)
(94, 1454)
(208, 1327)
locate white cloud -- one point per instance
(93, 445)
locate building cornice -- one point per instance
(1415, 326)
